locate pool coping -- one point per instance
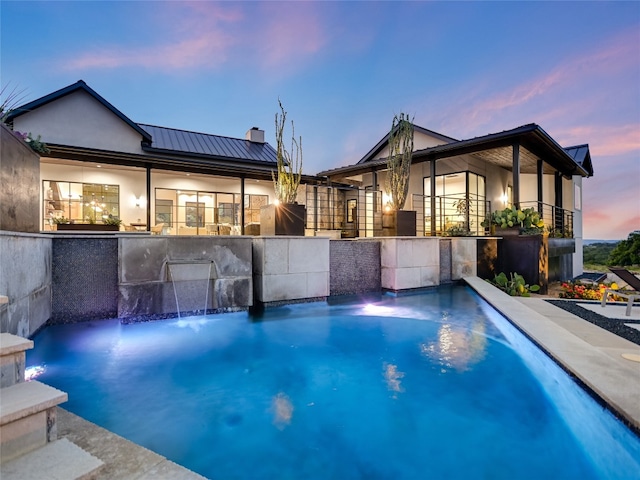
(589, 353)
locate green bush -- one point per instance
(514, 285)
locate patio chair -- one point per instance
(631, 295)
(157, 229)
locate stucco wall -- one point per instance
(19, 184)
(80, 120)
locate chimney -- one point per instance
(255, 135)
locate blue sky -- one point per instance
(343, 69)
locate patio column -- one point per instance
(540, 174)
(516, 174)
(148, 170)
(432, 193)
(243, 206)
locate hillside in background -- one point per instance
(599, 255)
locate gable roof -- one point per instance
(494, 148)
(80, 85)
(371, 154)
(582, 156)
(170, 140)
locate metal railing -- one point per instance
(458, 214)
(557, 220)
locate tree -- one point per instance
(399, 161)
(627, 252)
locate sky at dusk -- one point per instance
(343, 69)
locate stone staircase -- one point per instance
(29, 445)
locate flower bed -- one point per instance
(581, 291)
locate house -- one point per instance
(178, 182)
(102, 164)
(524, 166)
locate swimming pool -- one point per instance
(435, 385)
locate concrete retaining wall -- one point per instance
(145, 274)
(25, 278)
(20, 181)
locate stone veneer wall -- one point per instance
(85, 278)
(290, 268)
(409, 262)
(145, 286)
(25, 278)
(354, 267)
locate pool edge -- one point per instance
(610, 381)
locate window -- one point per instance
(79, 202)
(164, 212)
(194, 214)
(252, 205)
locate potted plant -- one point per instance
(395, 221)
(285, 216)
(513, 221)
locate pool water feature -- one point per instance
(435, 385)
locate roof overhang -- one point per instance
(497, 148)
(165, 161)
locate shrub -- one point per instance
(514, 285)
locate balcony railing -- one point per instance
(454, 214)
(557, 221)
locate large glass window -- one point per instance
(77, 202)
(460, 202)
(192, 212)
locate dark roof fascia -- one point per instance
(526, 135)
(79, 85)
(385, 140)
(162, 162)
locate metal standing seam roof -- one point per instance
(581, 155)
(171, 140)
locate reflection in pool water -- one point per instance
(435, 385)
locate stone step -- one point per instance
(59, 460)
(27, 417)
(12, 358)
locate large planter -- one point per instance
(507, 232)
(88, 227)
(527, 255)
(282, 219)
(400, 223)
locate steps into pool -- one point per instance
(29, 445)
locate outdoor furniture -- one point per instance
(157, 229)
(631, 295)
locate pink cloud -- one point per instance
(291, 34)
(194, 35)
(550, 91)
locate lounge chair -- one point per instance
(631, 295)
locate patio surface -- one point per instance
(590, 353)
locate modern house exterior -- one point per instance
(103, 164)
(524, 166)
(176, 182)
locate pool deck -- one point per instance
(591, 354)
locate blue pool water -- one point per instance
(428, 386)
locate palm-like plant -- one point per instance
(399, 161)
(289, 173)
